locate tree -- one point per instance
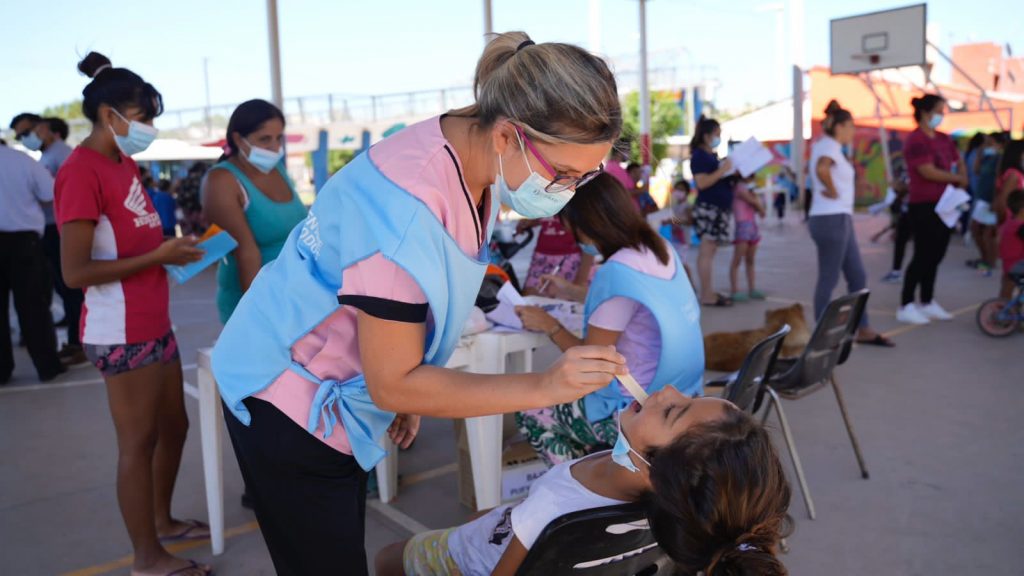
(666, 119)
(68, 110)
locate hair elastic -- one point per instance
(524, 44)
(747, 548)
(101, 69)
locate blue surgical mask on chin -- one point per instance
(139, 137)
(935, 120)
(621, 450)
(716, 142)
(531, 199)
(590, 250)
(263, 160)
(31, 141)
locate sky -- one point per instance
(387, 46)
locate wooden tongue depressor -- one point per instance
(634, 388)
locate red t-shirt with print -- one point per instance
(91, 186)
(940, 151)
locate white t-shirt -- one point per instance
(477, 546)
(842, 179)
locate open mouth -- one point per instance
(635, 406)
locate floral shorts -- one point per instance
(563, 432)
(711, 222)
(114, 359)
(567, 265)
(426, 554)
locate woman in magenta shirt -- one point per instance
(933, 162)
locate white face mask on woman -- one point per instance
(261, 159)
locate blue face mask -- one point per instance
(139, 137)
(531, 199)
(31, 141)
(935, 120)
(716, 142)
(621, 450)
(590, 249)
(263, 160)
(986, 152)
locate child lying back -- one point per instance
(715, 493)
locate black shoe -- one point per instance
(72, 355)
(52, 375)
(248, 502)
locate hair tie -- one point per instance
(524, 44)
(101, 69)
(747, 548)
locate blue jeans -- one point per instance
(837, 252)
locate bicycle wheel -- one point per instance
(996, 318)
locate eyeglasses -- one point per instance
(560, 182)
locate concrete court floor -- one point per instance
(938, 420)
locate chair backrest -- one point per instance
(829, 344)
(860, 305)
(614, 540)
(747, 388)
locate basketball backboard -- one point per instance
(887, 39)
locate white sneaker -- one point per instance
(910, 314)
(934, 311)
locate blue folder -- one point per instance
(217, 246)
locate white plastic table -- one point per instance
(491, 352)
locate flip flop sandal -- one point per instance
(187, 533)
(878, 340)
(721, 301)
(192, 566)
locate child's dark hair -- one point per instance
(632, 166)
(119, 88)
(248, 118)
(719, 499)
(705, 126)
(834, 116)
(33, 118)
(1013, 156)
(1015, 201)
(603, 210)
(59, 127)
(682, 184)
(164, 185)
(925, 104)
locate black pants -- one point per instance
(310, 499)
(24, 273)
(931, 238)
(72, 297)
(903, 235)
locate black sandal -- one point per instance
(878, 340)
(721, 301)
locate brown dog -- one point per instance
(725, 351)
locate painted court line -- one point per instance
(61, 385)
(176, 548)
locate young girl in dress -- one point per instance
(746, 207)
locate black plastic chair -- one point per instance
(615, 540)
(829, 346)
(746, 388)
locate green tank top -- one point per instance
(270, 222)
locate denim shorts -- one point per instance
(114, 359)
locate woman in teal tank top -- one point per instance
(249, 194)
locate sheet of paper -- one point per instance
(948, 207)
(749, 157)
(505, 313)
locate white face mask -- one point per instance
(531, 199)
(263, 160)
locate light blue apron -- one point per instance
(359, 213)
(673, 304)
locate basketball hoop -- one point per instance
(886, 39)
(872, 59)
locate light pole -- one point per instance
(645, 92)
(275, 55)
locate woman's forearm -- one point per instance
(433, 391)
(249, 263)
(565, 339)
(96, 272)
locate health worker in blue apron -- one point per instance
(640, 301)
(342, 340)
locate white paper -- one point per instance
(749, 157)
(948, 207)
(569, 314)
(654, 219)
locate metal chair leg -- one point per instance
(792, 454)
(849, 428)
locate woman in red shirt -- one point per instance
(933, 162)
(112, 246)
